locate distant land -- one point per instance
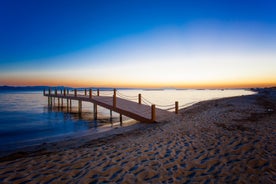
(40, 88)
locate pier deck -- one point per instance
(134, 110)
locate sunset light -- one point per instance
(206, 46)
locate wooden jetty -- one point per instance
(135, 110)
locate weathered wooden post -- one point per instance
(49, 91)
(114, 98)
(67, 91)
(90, 93)
(121, 120)
(111, 116)
(153, 115)
(67, 105)
(98, 92)
(64, 92)
(75, 92)
(139, 98)
(95, 111)
(176, 107)
(58, 102)
(61, 102)
(44, 92)
(70, 105)
(80, 106)
(55, 91)
(61, 91)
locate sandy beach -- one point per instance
(231, 140)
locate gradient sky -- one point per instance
(138, 43)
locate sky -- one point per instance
(138, 43)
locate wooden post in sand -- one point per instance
(114, 98)
(90, 93)
(80, 106)
(176, 107)
(153, 115)
(85, 92)
(75, 92)
(95, 111)
(139, 98)
(98, 92)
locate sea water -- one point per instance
(26, 119)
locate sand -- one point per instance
(231, 140)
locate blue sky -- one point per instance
(54, 40)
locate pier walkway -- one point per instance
(135, 110)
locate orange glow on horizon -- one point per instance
(137, 84)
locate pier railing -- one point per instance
(96, 97)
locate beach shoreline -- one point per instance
(224, 140)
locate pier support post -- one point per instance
(44, 92)
(95, 111)
(153, 115)
(121, 120)
(75, 92)
(58, 103)
(111, 116)
(49, 91)
(80, 106)
(139, 98)
(67, 105)
(114, 98)
(61, 102)
(85, 92)
(98, 92)
(61, 91)
(49, 101)
(55, 91)
(67, 91)
(90, 93)
(70, 105)
(64, 92)
(176, 107)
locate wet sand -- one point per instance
(231, 140)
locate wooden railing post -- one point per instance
(75, 92)
(85, 92)
(90, 93)
(98, 92)
(153, 115)
(176, 107)
(114, 98)
(139, 98)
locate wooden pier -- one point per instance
(135, 110)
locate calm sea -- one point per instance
(26, 119)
